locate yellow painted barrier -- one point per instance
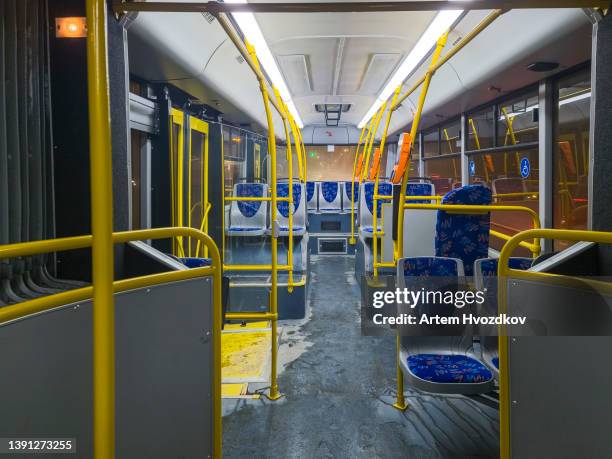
(504, 271)
(46, 303)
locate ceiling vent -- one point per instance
(378, 71)
(296, 71)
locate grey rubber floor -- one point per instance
(337, 395)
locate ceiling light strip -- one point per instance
(441, 23)
(251, 31)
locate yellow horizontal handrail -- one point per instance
(434, 197)
(246, 198)
(503, 272)
(41, 304)
(511, 195)
(255, 267)
(507, 237)
(250, 316)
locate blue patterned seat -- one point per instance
(433, 363)
(311, 195)
(485, 278)
(464, 236)
(442, 368)
(248, 218)
(366, 206)
(346, 201)
(330, 199)
(299, 209)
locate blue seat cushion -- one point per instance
(329, 191)
(464, 236)
(193, 262)
(368, 229)
(282, 191)
(495, 362)
(448, 368)
(384, 189)
(249, 190)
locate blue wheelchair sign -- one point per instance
(472, 168)
(525, 167)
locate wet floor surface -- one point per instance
(339, 390)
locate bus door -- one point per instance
(197, 195)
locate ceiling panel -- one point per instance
(360, 50)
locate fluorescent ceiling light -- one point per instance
(249, 27)
(441, 23)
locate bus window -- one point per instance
(571, 154)
(335, 164)
(445, 172)
(481, 129)
(517, 121)
(514, 180)
(431, 143)
(450, 138)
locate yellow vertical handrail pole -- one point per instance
(477, 141)
(383, 140)
(366, 165)
(413, 131)
(289, 154)
(364, 153)
(400, 403)
(352, 240)
(298, 151)
(102, 232)
(301, 148)
(274, 394)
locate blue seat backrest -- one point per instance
(429, 266)
(384, 188)
(310, 189)
(464, 236)
(282, 191)
(329, 191)
(347, 189)
(488, 267)
(418, 189)
(251, 190)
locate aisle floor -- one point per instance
(338, 389)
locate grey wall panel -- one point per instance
(560, 400)
(163, 371)
(561, 404)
